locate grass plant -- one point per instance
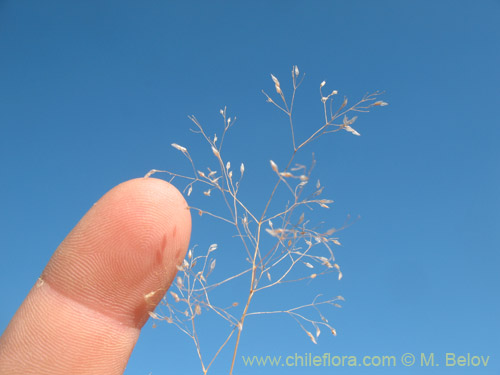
(280, 246)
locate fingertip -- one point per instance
(85, 313)
(121, 257)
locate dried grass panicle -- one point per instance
(280, 247)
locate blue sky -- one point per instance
(93, 93)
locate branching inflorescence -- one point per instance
(280, 247)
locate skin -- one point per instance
(85, 312)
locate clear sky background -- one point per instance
(93, 93)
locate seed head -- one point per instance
(153, 315)
(311, 337)
(273, 166)
(176, 297)
(216, 152)
(351, 130)
(180, 148)
(179, 282)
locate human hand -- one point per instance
(85, 313)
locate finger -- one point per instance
(84, 314)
